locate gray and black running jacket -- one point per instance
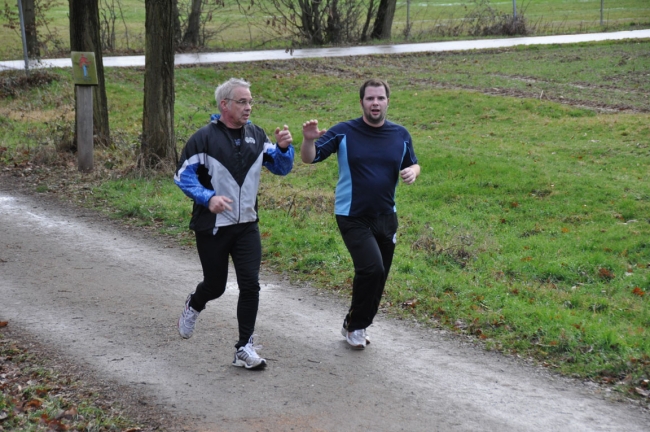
(212, 164)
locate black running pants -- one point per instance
(242, 243)
(371, 243)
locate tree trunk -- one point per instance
(334, 23)
(31, 38)
(366, 24)
(84, 36)
(178, 36)
(311, 21)
(384, 20)
(191, 36)
(158, 144)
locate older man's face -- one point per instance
(237, 110)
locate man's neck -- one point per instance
(375, 125)
(229, 124)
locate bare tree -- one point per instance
(178, 32)
(316, 22)
(110, 11)
(31, 38)
(193, 24)
(384, 19)
(191, 36)
(84, 36)
(158, 145)
(11, 15)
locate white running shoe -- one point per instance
(187, 321)
(247, 356)
(357, 338)
(344, 333)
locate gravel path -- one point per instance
(107, 298)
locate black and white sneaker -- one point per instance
(247, 356)
(187, 320)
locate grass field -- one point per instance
(527, 230)
(236, 31)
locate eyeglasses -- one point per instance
(242, 102)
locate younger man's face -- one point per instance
(374, 105)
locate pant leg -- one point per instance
(246, 255)
(369, 273)
(385, 231)
(213, 252)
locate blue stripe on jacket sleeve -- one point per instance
(187, 180)
(281, 163)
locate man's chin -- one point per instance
(375, 120)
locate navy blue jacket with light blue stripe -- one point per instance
(370, 160)
(212, 164)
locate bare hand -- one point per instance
(408, 175)
(219, 203)
(310, 130)
(283, 137)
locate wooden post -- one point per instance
(84, 71)
(84, 128)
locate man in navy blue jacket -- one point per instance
(373, 154)
(220, 170)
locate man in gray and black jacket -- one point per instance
(220, 170)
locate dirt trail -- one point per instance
(107, 298)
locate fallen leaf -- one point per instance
(68, 414)
(603, 273)
(410, 303)
(34, 403)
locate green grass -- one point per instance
(528, 228)
(547, 16)
(237, 32)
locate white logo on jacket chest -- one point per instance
(250, 140)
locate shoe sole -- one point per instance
(241, 363)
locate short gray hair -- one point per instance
(225, 90)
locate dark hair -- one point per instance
(373, 83)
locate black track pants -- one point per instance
(371, 243)
(243, 244)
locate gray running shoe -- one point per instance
(187, 321)
(247, 356)
(356, 339)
